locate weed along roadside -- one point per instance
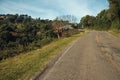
(115, 33)
(24, 66)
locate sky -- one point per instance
(50, 9)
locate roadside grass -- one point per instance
(24, 66)
(115, 33)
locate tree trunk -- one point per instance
(58, 35)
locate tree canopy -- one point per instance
(106, 19)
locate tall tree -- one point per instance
(88, 21)
(114, 13)
(114, 9)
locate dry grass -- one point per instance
(115, 33)
(23, 66)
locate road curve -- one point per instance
(94, 56)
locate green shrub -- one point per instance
(115, 25)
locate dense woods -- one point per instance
(21, 33)
(107, 19)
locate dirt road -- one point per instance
(94, 56)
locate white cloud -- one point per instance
(23, 8)
(75, 7)
(52, 8)
(78, 8)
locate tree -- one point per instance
(114, 9)
(106, 19)
(58, 27)
(88, 21)
(103, 20)
(114, 13)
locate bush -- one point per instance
(8, 53)
(115, 25)
(69, 32)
